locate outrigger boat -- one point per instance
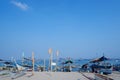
(100, 66)
(67, 66)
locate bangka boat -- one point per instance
(67, 67)
(100, 66)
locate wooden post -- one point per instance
(33, 63)
(50, 52)
(23, 56)
(57, 53)
(44, 65)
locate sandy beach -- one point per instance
(115, 75)
(59, 76)
(51, 76)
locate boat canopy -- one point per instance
(103, 58)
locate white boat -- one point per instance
(19, 67)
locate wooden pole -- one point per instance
(57, 53)
(23, 58)
(50, 52)
(44, 65)
(33, 63)
(51, 62)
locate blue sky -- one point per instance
(77, 28)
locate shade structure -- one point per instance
(69, 61)
(103, 58)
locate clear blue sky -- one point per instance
(77, 28)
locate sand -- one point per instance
(59, 76)
(115, 75)
(52, 76)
